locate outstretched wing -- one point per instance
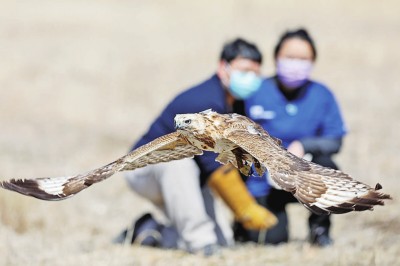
(163, 149)
(320, 189)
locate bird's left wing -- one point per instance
(322, 190)
(166, 148)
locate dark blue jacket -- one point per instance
(206, 95)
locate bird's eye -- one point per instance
(187, 121)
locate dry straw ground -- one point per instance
(81, 80)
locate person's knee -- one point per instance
(131, 179)
(145, 185)
(177, 171)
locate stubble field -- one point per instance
(81, 80)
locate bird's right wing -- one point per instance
(166, 148)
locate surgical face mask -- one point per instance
(293, 73)
(243, 84)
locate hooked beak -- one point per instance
(177, 122)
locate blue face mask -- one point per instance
(243, 84)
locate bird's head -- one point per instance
(198, 123)
(191, 123)
(201, 129)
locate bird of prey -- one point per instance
(239, 141)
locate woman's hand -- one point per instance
(296, 148)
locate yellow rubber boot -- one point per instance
(227, 182)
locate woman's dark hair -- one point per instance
(240, 48)
(300, 34)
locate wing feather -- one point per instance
(267, 151)
(322, 190)
(226, 157)
(163, 149)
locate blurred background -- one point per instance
(80, 81)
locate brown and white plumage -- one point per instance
(163, 149)
(239, 141)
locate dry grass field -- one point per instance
(81, 80)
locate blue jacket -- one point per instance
(313, 117)
(206, 95)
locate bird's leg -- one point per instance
(243, 165)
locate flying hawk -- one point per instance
(239, 141)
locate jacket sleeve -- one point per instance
(321, 145)
(328, 139)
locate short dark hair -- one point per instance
(240, 48)
(300, 34)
